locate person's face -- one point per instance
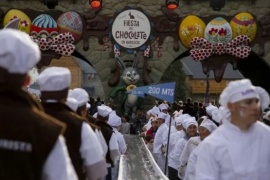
(192, 130)
(160, 121)
(124, 119)
(179, 127)
(165, 111)
(203, 132)
(154, 124)
(246, 111)
(139, 112)
(84, 113)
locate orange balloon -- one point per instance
(95, 4)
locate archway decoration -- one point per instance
(84, 25)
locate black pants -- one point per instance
(173, 174)
(109, 175)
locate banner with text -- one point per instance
(161, 91)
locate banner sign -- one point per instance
(131, 29)
(161, 91)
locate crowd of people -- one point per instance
(54, 138)
(61, 137)
(195, 141)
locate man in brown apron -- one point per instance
(31, 143)
(82, 143)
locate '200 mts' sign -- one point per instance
(162, 91)
(131, 29)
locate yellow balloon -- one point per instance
(192, 26)
(244, 24)
(25, 22)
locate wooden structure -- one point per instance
(196, 79)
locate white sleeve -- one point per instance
(191, 166)
(177, 151)
(114, 148)
(206, 167)
(58, 164)
(102, 142)
(128, 131)
(122, 144)
(186, 153)
(165, 137)
(91, 153)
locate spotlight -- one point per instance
(95, 4)
(51, 3)
(172, 4)
(217, 5)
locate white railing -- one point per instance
(122, 172)
(156, 168)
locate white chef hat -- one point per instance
(163, 106)
(104, 111)
(54, 79)
(189, 121)
(236, 91)
(113, 112)
(155, 111)
(80, 95)
(162, 115)
(216, 115)
(210, 108)
(178, 114)
(209, 125)
(18, 52)
(264, 97)
(178, 121)
(114, 120)
(72, 103)
(184, 116)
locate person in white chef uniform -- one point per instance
(160, 141)
(240, 148)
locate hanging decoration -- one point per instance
(203, 49)
(244, 24)
(61, 44)
(218, 30)
(71, 22)
(191, 26)
(44, 26)
(23, 25)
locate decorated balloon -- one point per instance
(44, 26)
(13, 14)
(190, 27)
(71, 22)
(244, 24)
(218, 30)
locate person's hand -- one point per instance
(163, 149)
